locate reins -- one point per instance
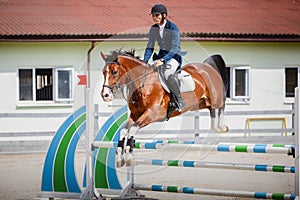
(116, 87)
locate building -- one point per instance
(44, 45)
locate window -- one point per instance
(291, 80)
(25, 85)
(239, 85)
(45, 84)
(63, 88)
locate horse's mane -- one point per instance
(114, 55)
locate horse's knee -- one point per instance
(133, 130)
(123, 133)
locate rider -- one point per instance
(169, 57)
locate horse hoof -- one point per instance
(120, 163)
(225, 129)
(130, 162)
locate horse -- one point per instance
(148, 101)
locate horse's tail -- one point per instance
(217, 62)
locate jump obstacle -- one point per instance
(59, 179)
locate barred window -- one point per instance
(45, 84)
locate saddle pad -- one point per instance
(186, 82)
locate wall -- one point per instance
(267, 61)
(28, 54)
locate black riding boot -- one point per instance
(173, 85)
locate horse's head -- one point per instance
(122, 69)
(113, 74)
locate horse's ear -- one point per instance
(103, 56)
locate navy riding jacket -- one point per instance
(169, 44)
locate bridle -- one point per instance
(118, 86)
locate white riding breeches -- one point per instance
(170, 68)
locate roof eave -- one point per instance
(220, 37)
(240, 37)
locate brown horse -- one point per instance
(148, 101)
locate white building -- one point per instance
(45, 45)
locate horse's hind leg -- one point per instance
(221, 126)
(217, 123)
(213, 120)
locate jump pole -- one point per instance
(215, 165)
(254, 148)
(214, 192)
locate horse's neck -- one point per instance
(135, 71)
(135, 68)
(123, 78)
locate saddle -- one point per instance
(186, 84)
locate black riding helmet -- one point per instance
(159, 9)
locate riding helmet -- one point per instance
(159, 9)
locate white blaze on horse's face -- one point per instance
(107, 94)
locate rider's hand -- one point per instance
(158, 63)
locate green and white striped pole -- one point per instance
(215, 192)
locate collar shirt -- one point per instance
(161, 29)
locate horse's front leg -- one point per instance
(123, 142)
(129, 144)
(150, 115)
(126, 137)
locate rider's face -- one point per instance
(157, 18)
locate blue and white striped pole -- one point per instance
(254, 148)
(189, 145)
(216, 165)
(215, 192)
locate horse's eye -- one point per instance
(115, 72)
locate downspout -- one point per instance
(88, 65)
(88, 193)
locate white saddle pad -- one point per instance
(186, 82)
